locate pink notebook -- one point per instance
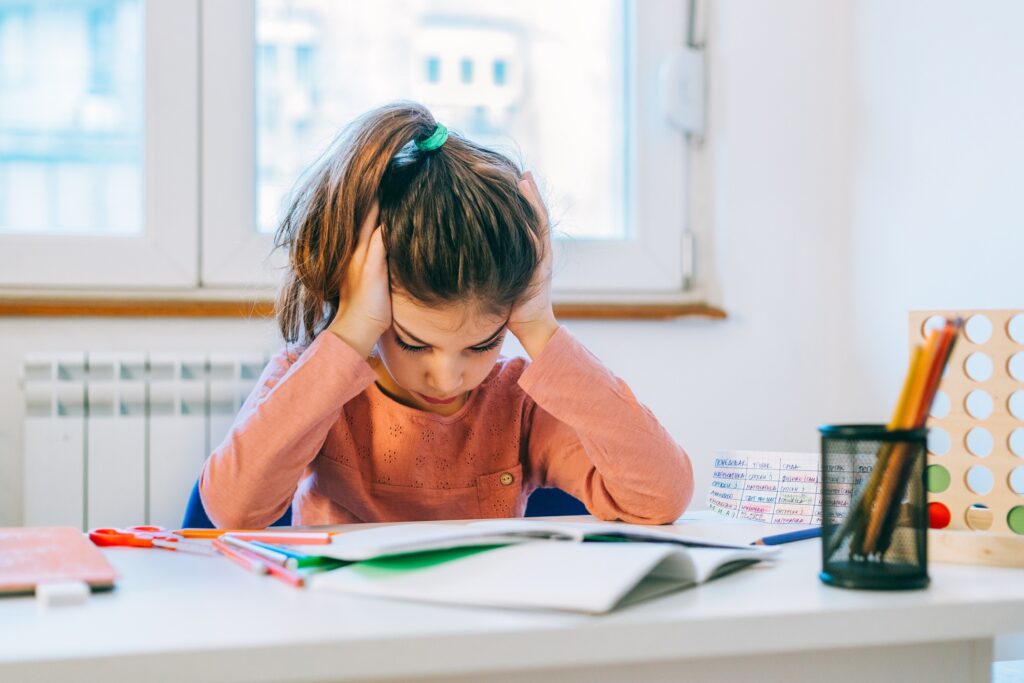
(30, 556)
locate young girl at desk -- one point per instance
(413, 251)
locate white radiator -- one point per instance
(116, 439)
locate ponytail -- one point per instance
(321, 225)
(456, 227)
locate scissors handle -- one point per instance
(109, 537)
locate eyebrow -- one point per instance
(416, 339)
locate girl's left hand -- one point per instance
(533, 319)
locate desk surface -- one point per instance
(176, 616)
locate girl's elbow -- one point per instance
(677, 498)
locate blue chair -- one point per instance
(542, 503)
(551, 502)
(196, 517)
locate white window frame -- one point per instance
(199, 234)
(650, 266)
(165, 254)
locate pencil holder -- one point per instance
(874, 511)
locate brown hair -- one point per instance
(456, 227)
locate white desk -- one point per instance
(179, 617)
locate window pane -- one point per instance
(71, 103)
(542, 81)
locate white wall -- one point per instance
(853, 148)
(938, 217)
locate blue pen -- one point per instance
(790, 536)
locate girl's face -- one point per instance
(434, 357)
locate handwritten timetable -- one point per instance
(776, 488)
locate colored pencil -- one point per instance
(268, 554)
(920, 418)
(249, 564)
(279, 572)
(863, 503)
(789, 536)
(298, 537)
(302, 560)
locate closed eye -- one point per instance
(490, 346)
(409, 347)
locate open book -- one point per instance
(525, 564)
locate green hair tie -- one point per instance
(436, 139)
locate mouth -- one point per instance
(437, 401)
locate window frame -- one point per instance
(165, 253)
(651, 266)
(200, 239)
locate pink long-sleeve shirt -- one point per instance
(318, 433)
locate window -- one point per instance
(564, 87)
(91, 187)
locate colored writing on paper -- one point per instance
(777, 488)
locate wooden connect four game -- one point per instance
(975, 473)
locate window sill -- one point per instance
(20, 305)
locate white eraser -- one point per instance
(57, 593)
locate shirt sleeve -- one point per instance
(249, 480)
(589, 436)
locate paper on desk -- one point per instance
(774, 488)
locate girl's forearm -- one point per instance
(250, 478)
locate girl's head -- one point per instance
(457, 231)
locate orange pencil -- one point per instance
(945, 350)
(264, 535)
(256, 566)
(895, 480)
(859, 512)
(280, 572)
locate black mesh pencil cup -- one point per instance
(874, 507)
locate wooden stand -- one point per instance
(979, 531)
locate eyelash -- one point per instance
(475, 349)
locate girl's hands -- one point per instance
(364, 304)
(533, 320)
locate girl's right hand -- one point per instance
(364, 304)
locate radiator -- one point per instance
(117, 439)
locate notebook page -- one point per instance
(584, 577)
(771, 487)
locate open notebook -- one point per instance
(525, 564)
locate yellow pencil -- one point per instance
(858, 512)
(895, 462)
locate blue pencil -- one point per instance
(790, 536)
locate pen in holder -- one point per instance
(874, 508)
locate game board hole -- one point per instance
(978, 366)
(1015, 366)
(979, 404)
(1015, 328)
(1015, 519)
(1016, 442)
(938, 441)
(980, 480)
(938, 478)
(1016, 404)
(938, 515)
(979, 442)
(978, 517)
(978, 329)
(1016, 480)
(936, 322)
(940, 406)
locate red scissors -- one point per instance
(147, 537)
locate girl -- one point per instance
(413, 252)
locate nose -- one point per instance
(445, 377)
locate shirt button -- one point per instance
(506, 478)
